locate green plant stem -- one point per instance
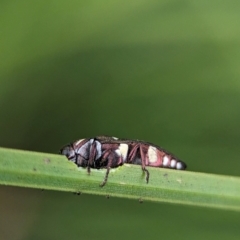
(48, 171)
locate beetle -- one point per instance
(111, 152)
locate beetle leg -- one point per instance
(79, 160)
(109, 164)
(143, 157)
(92, 154)
(132, 154)
(105, 157)
(110, 158)
(106, 177)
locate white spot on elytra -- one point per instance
(79, 141)
(123, 149)
(84, 149)
(173, 163)
(152, 154)
(117, 151)
(179, 166)
(165, 160)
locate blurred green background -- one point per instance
(163, 71)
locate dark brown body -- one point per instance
(110, 152)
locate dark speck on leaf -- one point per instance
(77, 193)
(140, 200)
(47, 160)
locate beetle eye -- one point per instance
(68, 152)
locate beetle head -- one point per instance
(69, 152)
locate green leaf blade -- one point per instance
(55, 172)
